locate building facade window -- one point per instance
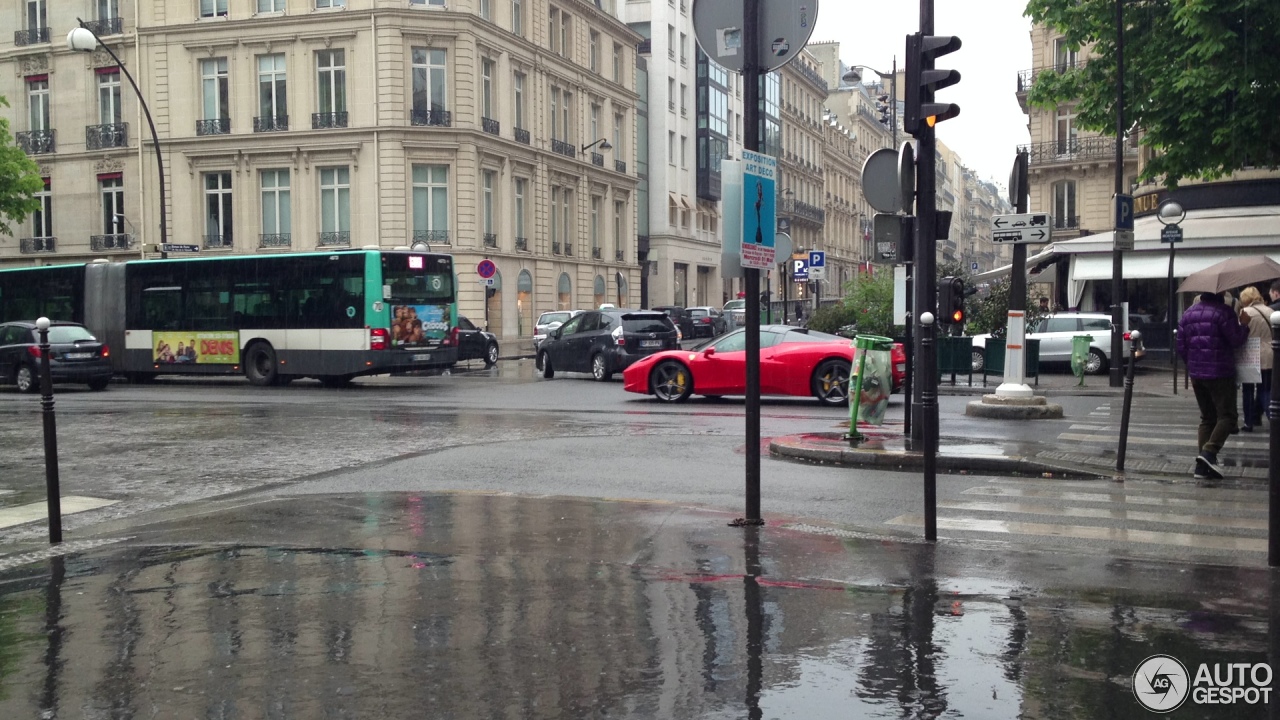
(211, 8)
(684, 52)
(1064, 204)
(488, 180)
(555, 219)
(38, 103)
(619, 150)
(517, 17)
(560, 32)
(486, 10)
(1065, 131)
(218, 225)
(111, 193)
(617, 63)
(1064, 57)
(520, 192)
(671, 147)
(595, 123)
(335, 200)
(270, 6)
(430, 75)
(321, 4)
(594, 228)
(331, 76)
(37, 18)
(619, 229)
(42, 218)
(681, 285)
(517, 83)
(273, 105)
(566, 220)
(431, 202)
(486, 88)
(593, 51)
(108, 9)
(109, 112)
(277, 214)
(215, 89)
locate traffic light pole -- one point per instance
(751, 276)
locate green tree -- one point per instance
(990, 314)
(867, 305)
(19, 180)
(1200, 79)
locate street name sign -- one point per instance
(1171, 234)
(759, 211)
(166, 247)
(1124, 239)
(1026, 228)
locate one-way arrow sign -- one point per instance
(1025, 228)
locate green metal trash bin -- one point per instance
(864, 344)
(1080, 354)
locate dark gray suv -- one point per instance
(603, 342)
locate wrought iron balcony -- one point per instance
(1069, 222)
(555, 247)
(334, 239)
(1027, 78)
(620, 166)
(34, 36)
(100, 137)
(568, 249)
(106, 26)
(803, 211)
(437, 118)
(106, 243)
(275, 240)
(812, 76)
(491, 126)
(522, 136)
(270, 123)
(217, 126)
(38, 245)
(491, 240)
(619, 255)
(595, 253)
(37, 142)
(564, 148)
(323, 120)
(597, 159)
(522, 244)
(440, 237)
(1072, 149)
(214, 242)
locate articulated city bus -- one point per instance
(329, 315)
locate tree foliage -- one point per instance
(990, 314)
(19, 180)
(867, 306)
(1201, 79)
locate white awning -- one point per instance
(1147, 265)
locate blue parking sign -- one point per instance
(817, 258)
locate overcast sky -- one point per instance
(996, 46)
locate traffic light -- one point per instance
(922, 80)
(951, 301)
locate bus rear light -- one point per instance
(106, 351)
(451, 339)
(378, 338)
(33, 351)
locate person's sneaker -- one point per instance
(1208, 464)
(1200, 470)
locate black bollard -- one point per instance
(1133, 339)
(52, 493)
(1273, 457)
(929, 422)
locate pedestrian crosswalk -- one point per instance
(1139, 517)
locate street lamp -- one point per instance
(85, 39)
(602, 142)
(1170, 213)
(854, 76)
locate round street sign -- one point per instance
(782, 246)
(783, 31)
(880, 181)
(486, 269)
(907, 176)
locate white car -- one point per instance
(549, 321)
(1055, 333)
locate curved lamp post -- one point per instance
(602, 142)
(1171, 213)
(84, 39)
(853, 76)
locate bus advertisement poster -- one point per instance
(414, 324)
(205, 348)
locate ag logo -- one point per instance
(1161, 683)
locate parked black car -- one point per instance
(603, 342)
(476, 344)
(708, 321)
(680, 316)
(75, 356)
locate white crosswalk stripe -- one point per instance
(1144, 517)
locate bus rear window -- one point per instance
(409, 285)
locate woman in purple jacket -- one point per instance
(1208, 335)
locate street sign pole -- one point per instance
(1015, 366)
(751, 276)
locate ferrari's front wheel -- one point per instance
(671, 381)
(831, 382)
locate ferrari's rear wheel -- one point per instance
(671, 381)
(831, 382)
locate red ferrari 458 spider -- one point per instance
(793, 361)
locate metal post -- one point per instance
(926, 258)
(1117, 257)
(751, 77)
(1273, 470)
(1134, 337)
(893, 103)
(1015, 359)
(929, 416)
(52, 494)
(1172, 315)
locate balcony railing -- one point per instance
(213, 242)
(564, 148)
(1026, 78)
(439, 237)
(106, 243)
(334, 239)
(522, 136)
(437, 118)
(568, 249)
(803, 210)
(323, 120)
(270, 123)
(37, 142)
(217, 126)
(522, 244)
(597, 159)
(491, 126)
(812, 76)
(1069, 222)
(100, 137)
(595, 253)
(491, 240)
(1071, 149)
(34, 36)
(555, 247)
(620, 166)
(106, 26)
(619, 256)
(275, 240)
(38, 245)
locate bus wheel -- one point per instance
(260, 364)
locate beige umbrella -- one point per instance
(1232, 273)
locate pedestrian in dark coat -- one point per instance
(1208, 335)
